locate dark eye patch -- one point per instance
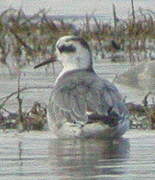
(81, 40)
(67, 48)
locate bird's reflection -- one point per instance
(87, 157)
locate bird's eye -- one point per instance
(67, 48)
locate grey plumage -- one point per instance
(82, 91)
(81, 104)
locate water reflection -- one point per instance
(35, 156)
(87, 159)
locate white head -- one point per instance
(74, 53)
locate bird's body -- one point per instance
(79, 106)
(82, 104)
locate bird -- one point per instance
(81, 104)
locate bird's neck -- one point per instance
(66, 69)
(74, 63)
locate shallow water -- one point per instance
(36, 155)
(40, 78)
(71, 8)
(39, 156)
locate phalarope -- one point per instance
(81, 103)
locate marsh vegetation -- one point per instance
(26, 40)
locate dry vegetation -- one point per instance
(35, 36)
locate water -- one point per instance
(71, 8)
(39, 78)
(36, 155)
(39, 156)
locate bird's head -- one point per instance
(73, 53)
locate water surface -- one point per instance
(41, 78)
(37, 155)
(71, 8)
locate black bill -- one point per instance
(52, 59)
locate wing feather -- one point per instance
(75, 99)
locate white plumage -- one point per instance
(82, 104)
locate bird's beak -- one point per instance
(52, 59)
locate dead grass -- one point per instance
(36, 35)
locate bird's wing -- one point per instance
(76, 99)
(70, 102)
